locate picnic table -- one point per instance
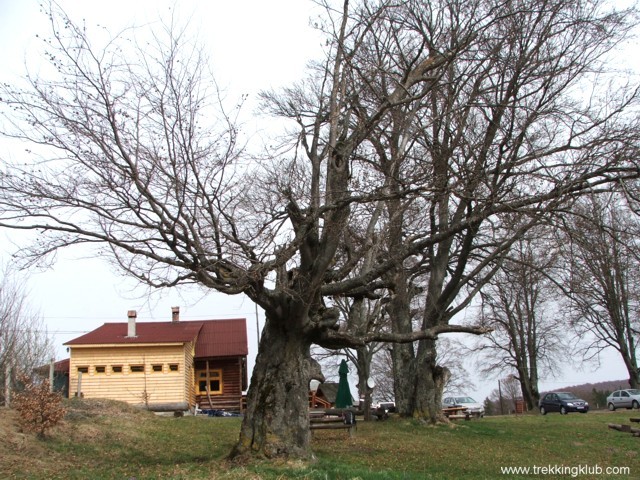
(456, 413)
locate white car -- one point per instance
(473, 407)
(629, 398)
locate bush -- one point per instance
(39, 409)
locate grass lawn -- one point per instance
(108, 440)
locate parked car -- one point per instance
(473, 407)
(388, 407)
(629, 398)
(563, 402)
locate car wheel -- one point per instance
(635, 404)
(543, 411)
(563, 411)
(612, 407)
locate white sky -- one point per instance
(254, 45)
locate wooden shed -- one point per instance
(162, 366)
(324, 396)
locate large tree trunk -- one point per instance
(402, 354)
(632, 368)
(529, 385)
(430, 380)
(364, 372)
(276, 423)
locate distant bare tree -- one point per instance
(451, 355)
(603, 278)
(382, 373)
(520, 304)
(511, 392)
(24, 343)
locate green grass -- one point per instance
(138, 445)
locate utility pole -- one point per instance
(500, 395)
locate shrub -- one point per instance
(39, 408)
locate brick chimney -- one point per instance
(131, 330)
(175, 314)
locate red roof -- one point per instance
(61, 366)
(222, 338)
(216, 338)
(146, 332)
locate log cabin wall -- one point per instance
(139, 375)
(189, 377)
(230, 395)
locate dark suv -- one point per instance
(563, 402)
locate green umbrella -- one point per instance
(343, 397)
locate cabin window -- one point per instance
(156, 368)
(136, 368)
(83, 369)
(173, 367)
(214, 381)
(116, 368)
(101, 369)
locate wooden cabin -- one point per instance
(163, 366)
(324, 396)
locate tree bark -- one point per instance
(430, 379)
(364, 372)
(276, 423)
(402, 354)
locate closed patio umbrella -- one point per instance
(343, 397)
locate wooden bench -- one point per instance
(331, 422)
(635, 420)
(625, 428)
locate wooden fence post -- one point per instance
(51, 374)
(79, 392)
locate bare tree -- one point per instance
(520, 303)
(510, 392)
(603, 279)
(499, 141)
(382, 374)
(24, 343)
(451, 355)
(126, 158)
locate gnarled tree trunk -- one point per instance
(276, 423)
(429, 384)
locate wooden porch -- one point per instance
(219, 384)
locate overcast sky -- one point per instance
(253, 45)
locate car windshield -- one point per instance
(566, 396)
(634, 392)
(465, 400)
